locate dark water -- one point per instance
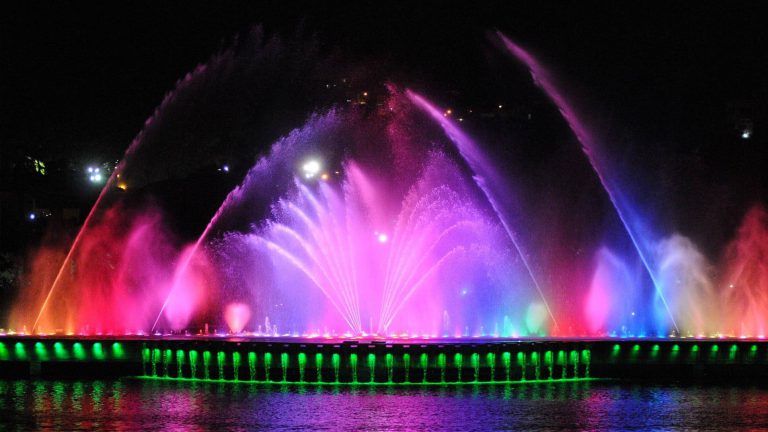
(145, 405)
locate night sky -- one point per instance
(83, 72)
(80, 78)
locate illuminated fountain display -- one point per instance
(390, 223)
(361, 244)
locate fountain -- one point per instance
(377, 246)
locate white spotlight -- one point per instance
(311, 168)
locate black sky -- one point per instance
(88, 73)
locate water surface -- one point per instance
(133, 404)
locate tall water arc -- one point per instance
(640, 234)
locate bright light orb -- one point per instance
(311, 168)
(94, 174)
(382, 238)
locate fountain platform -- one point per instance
(373, 361)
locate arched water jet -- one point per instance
(275, 166)
(484, 175)
(633, 225)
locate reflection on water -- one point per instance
(170, 405)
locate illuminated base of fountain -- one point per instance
(379, 362)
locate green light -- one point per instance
(41, 351)
(98, 351)
(59, 352)
(284, 363)
(193, 363)
(267, 365)
(281, 385)
(3, 352)
(353, 365)
(674, 352)
(521, 363)
(754, 348)
(616, 348)
(207, 365)
(180, 363)
(713, 352)
(78, 351)
(575, 363)
(236, 358)
(587, 358)
(655, 351)
(117, 351)
(695, 348)
(372, 365)
(318, 366)
(221, 359)
(156, 357)
(732, 354)
(458, 362)
(636, 347)
(336, 362)
(302, 365)
(167, 358)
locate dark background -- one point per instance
(83, 76)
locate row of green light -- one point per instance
(60, 352)
(156, 356)
(675, 350)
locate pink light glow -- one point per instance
(237, 315)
